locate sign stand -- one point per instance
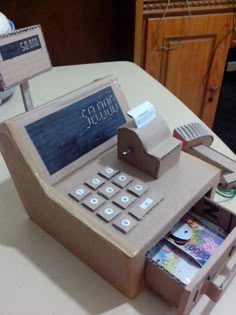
(23, 55)
(26, 96)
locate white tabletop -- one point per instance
(37, 274)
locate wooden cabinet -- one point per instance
(186, 52)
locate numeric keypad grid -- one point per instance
(116, 198)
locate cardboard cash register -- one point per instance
(108, 190)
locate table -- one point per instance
(38, 275)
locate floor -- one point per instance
(225, 120)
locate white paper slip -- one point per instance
(143, 114)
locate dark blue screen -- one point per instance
(64, 136)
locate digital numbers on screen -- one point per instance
(69, 133)
(102, 110)
(20, 47)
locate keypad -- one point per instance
(80, 192)
(124, 223)
(137, 188)
(108, 172)
(93, 201)
(124, 199)
(122, 180)
(108, 212)
(116, 198)
(108, 190)
(95, 182)
(144, 205)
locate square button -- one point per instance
(108, 172)
(80, 192)
(124, 223)
(108, 212)
(138, 188)
(95, 181)
(108, 190)
(145, 205)
(93, 202)
(122, 180)
(124, 199)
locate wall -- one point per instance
(79, 31)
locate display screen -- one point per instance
(64, 136)
(20, 47)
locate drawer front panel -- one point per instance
(184, 297)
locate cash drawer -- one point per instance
(185, 295)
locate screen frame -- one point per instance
(55, 105)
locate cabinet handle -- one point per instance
(213, 89)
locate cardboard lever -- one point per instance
(150, 149)
(196, 141)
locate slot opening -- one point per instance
(218, 219)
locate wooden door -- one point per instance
(188, 55)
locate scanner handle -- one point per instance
(197, 140)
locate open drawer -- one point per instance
(185, 295)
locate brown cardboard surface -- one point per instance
(151, 149)
(22, 67)
(185, 297)
(117, 257)
(227, 165)
(229, 180)
(196, 141)
(212, 156)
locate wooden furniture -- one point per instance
(191, 67)
(184, 45)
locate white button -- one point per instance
(138, 187)
(96, 181)
(124, 199)
(94, 201)
(122, 178)
(109, 211)
(144, 205)
(109, 170)
(79, 191)
(126, 222)
(109, 190)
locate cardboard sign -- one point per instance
(23, 55)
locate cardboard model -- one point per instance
(63, 159)
(107, 208)
(196, 141)
(23, 54)
(150, 149)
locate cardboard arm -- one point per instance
(196, 141)
(150, 149)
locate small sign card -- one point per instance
(23, 55)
